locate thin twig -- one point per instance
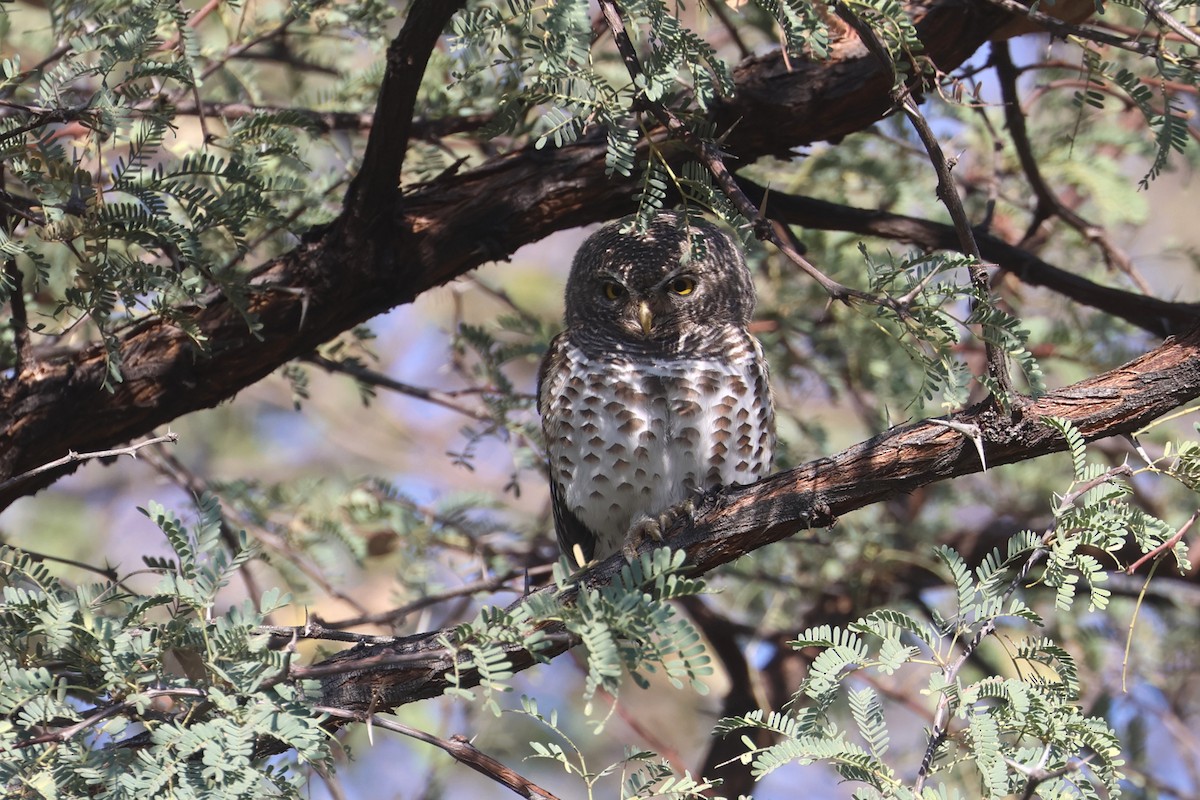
(195, 19)
(373, 378)
(503, 296)
(459, 747)
(783, 238)
(1166, 546)
(281, 226)
(237, 50)
(1080, 489)
(107, 572)
(947, 192)
(398, 614)
(1065, 29)
(315, 629)
(992, 181)
(1160, 15)
(1048, 202)
(718, 10)
(54, 55)
(1038, 774)
(65, 734)
(72, 457)
(45, 117)
(335, 631)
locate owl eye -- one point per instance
(613, 291)
(683, 286)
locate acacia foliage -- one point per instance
(157, 159)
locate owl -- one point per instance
(655, 391)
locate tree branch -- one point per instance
(1164, 18)
(1048, 203)
(1160, 317)
(739, 520)
(461, 749)
(1087, 32)
(334, 281)
(995, 356)
(374, 191)
(75, 458)
(370, 377)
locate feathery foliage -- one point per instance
(164, 694)
(156, 156)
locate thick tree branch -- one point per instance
(353, 270)
(740, 520)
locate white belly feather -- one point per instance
(634, 439)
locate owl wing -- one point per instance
(552, 374)
(574, 538)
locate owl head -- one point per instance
(681, 287)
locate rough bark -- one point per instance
(361, 266)
(740, 520)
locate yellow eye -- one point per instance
(683, 286)
(613, 290)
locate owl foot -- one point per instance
(648, 528)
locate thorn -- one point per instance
(971, 431)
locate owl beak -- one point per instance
(645, 317)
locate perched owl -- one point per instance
(656, 390)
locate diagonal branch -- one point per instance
(947, 192)
(1087, 32)
(742, 519)
(374, 189)
(370, 377)
(1164, 18)
(1047, 202)
(333, 281)
(460, 748)
(74, 458)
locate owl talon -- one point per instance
(651, 529)
(642, 530)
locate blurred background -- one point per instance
(401, 462)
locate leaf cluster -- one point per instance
(106, 691)
(627, 628)
(1020, 731)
